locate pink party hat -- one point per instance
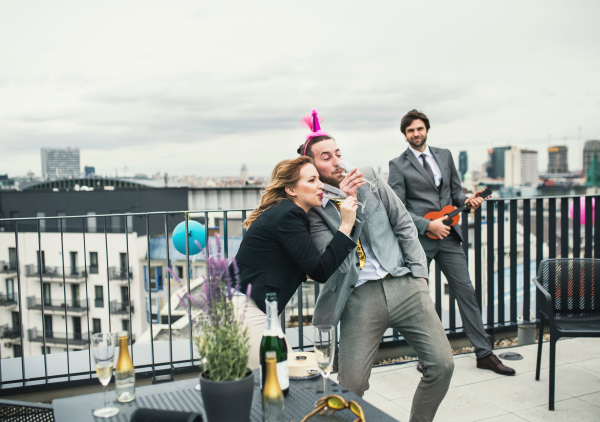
(312, 123)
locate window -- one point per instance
(76, 328)
(47, 294)
(99, 300)
(41, 265)
(97, 325)
(75, 296)
(123, 263)
(10, 289)
(42, 225)
(180, 272)
(115, 222)
(12, 258)
(125, 325)
(156, 280)
(15, 320)
(155, 310)
(93, 262)
(91, 223)
(74, 269)
(16, 350)
(45, 351)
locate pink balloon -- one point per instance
(582, 209)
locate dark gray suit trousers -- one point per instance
(450, 256)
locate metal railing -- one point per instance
(119, 273)
(505, 241)
(7, 268)
(55, 337)
(7, 300)
(72, 305)
(8, 332)
(53, 273)
(121, 308)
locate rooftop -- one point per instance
(479, 395)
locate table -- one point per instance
(181, 395)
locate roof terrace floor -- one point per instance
(482, 395)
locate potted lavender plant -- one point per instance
(222, 344)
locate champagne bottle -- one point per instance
(124, 371)
(274, 340)
(272, 396)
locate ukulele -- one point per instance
(453, 213)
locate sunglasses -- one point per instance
(335, 403)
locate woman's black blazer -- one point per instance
(277, 253)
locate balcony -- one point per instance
(56, 274)
(9, 333)
(58, 338)
(121, 308)
(8, 268)
(120, 274)
(73, 306)
(8, 300)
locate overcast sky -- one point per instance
(200, 87)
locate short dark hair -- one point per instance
(312, 141)
(410, 117)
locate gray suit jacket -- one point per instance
(418, 192)
(391, 234)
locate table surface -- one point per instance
(181, 396)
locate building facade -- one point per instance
(557, 160)
(521, 168)
(496, 169)
(60, 163)
(589, 149)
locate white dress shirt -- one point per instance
(372, 269)
(435, 168)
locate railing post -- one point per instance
(477, 248)
(438, 290)
(41, 270)
(150, 291)
(300, 320)
(588, 227)
(108, 276)
(501, 255)
(19, 298)
(62, 251)
(596, 231)
(490, 265)
(526, 260)
(513, 261)
(552, 228)
(539, 245)
(129, 287)
(169, 297)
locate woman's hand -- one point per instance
(348, 211)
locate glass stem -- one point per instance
(104, 387)
(324, 385)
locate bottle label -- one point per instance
(283, 374)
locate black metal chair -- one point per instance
(22, 411)
(570, 290)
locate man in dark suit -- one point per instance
(426, 180)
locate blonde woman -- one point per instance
(277, 252)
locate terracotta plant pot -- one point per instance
(219, 396)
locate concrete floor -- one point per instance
(483, 395)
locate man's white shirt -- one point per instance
(435, 168)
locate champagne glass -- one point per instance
(199, 322)
(347, 168)
(103, 347)
(324, 342)
(334, 194)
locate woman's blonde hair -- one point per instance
(285, 174)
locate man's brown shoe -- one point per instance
(492, 362)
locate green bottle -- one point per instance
(273, 339)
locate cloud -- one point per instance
(142, 83)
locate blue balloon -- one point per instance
(196, 231)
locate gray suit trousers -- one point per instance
(402, 303)
(453, 263)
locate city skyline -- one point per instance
(174, 100)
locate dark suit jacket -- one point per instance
(277, 253)
(419, 194)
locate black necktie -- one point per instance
(427, 167)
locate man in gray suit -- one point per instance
(382, 285)
(425, 179)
